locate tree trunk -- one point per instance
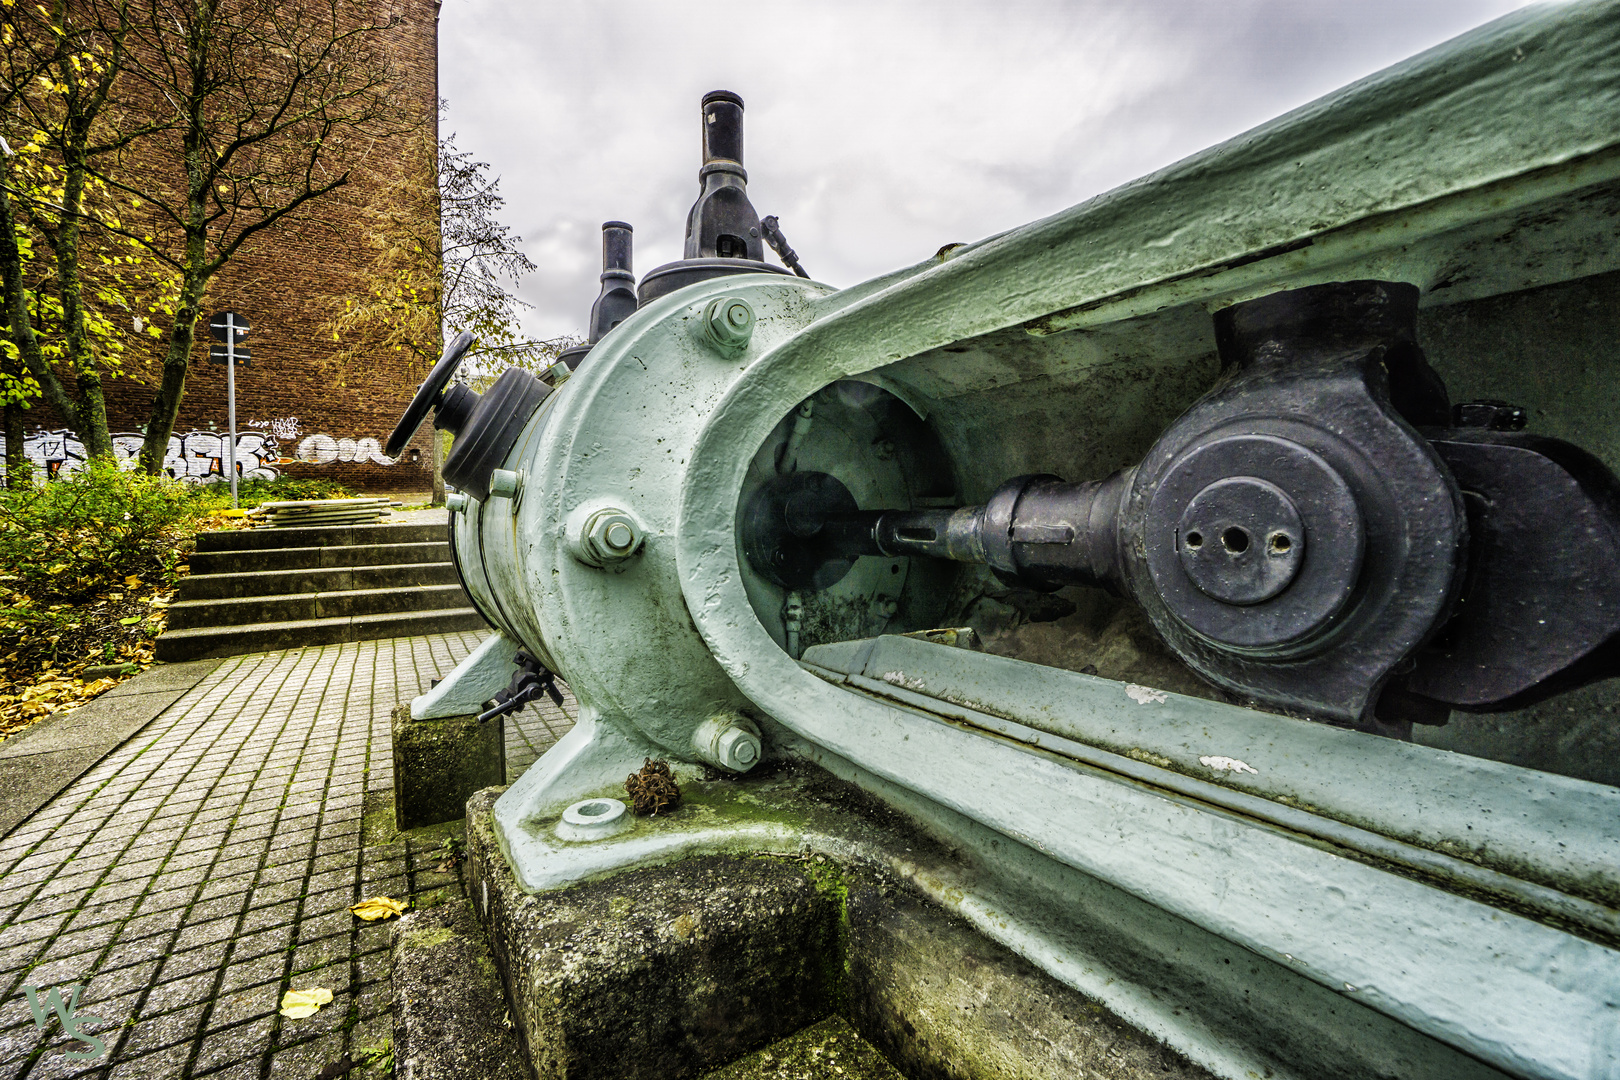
(172, 387)
(19, 318)
(92, 412)
(16, 459)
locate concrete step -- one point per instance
(322, 580)
(318, 536)
(242, 610)
(211, 641)
(309, 558)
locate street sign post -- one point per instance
(230, 328)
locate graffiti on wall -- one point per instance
(200, 457)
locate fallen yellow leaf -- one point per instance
(297, 1004)
(378, 907)
(131, 582)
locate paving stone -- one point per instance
(180, 965)
(250, 783)
(123, 980)
(273, 939)
(161, 1064)
(255, 1002)
(165, 1029)
(206, 933)
(228, 906)
(178, 993)
(300, 1061)
(37, 930)
(246, 974)
(241, 1070)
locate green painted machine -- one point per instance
(1334, 798)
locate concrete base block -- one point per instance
(449, 1021)
(438, 763)
(733, 966)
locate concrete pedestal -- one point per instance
(439, 762)
(721, 964)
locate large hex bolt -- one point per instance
(728, 324)
(729, 741)
(605, 538)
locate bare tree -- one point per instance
(68, 280)
(260, 108)
(442, 262)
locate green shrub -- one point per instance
(78, 533)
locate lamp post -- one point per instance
(230, 328)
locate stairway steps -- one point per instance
(269, 589)
(326, 579)
(206, 642)
(245, 610)
(317, 536)
(318, 557)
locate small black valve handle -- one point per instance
(531, 680)
(773, 236)
(428, 395)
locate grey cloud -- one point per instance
(876, 131)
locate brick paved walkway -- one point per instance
(208, 864)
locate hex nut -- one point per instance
(730, 741)
(606, 537)
(728, 324)
(456, 500)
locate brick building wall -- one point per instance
(297, 413)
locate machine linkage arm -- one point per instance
(1322, 532)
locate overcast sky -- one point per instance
(876, 131)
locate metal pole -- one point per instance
(230, 394)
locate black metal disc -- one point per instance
(783, 533)
(492, 430)
(1239, 609)
(1241, 540)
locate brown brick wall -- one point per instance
(322, 419)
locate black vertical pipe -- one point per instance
(616, 245)
(722, 127)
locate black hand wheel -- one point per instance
(427, 395)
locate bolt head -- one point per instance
(738, 749)
(611, 536)
(728, 323)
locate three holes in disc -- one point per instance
(1236, 541)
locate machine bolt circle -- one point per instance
(730, 741)
(739, 749)
(1257, 539)
(1242, 511)
(728, 324)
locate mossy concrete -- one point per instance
(450, 1020)
(831, 1048)
(944, 1002)
(439, 762)
(658, 973)
(734, 961)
